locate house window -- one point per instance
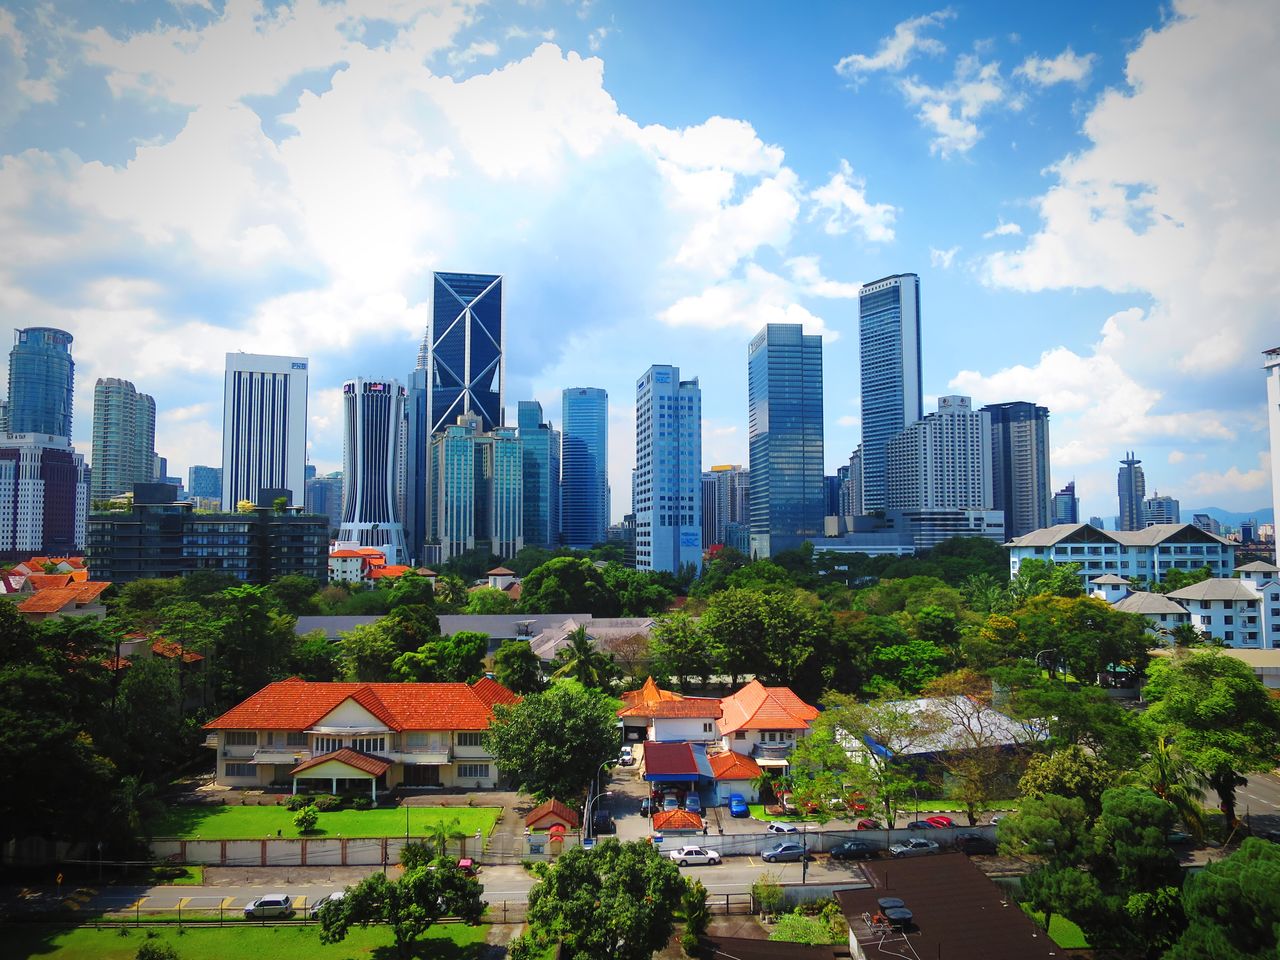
(416, 739)
(706, 728)
(369, 744)
(473, 771)
(740, 735)
(240, 770)
(470, 739)
(773, 737)
(296, 739)
(328, 744)
(242, 738)
(1228, 620)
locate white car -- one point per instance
(915, 847)
(314, 911)
(691, 856)
(777, 826)
(625, 757)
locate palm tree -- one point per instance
(442, 832)
(1183, 635)
(582, 660)
(1168, 775)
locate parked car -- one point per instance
(693, 803)
(853, 850)
(939, 821)
(272, 905)
(777, 826)
(783, 851)
(1176, 838)
(866, 823)
(625, 756)
(975, 843)
(647, 807)
(738, 806)
(786, 802)
(602, 822)
(314, 911)
(915, 847)
(1272, 835)
(691, 856)
(921, 825)
(671, 802)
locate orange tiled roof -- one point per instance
(91, 590)
(757, 707)
(50, 600)
(47, 581)
(648, 694)
(676, 820)
(116, 663)
(552, 809)
(514, 590)
(424, 572)
(691, 707)
(168, 649)
(345, 554)
(390, 570)
(371, 551)
(491, 691)
(374, 766)
(500, 572)
(296, 704)
(733, 766)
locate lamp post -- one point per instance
(1053, 667)
(804, 857)
(586, 813)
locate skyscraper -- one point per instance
(204, 481)
(264, 427)
(1066, 505)
(324, 496)
(1272, 365)
(668, 474)
(477, 491)
(784, 423)
(540, 444)
(417, 501)
(889, 329)
(463, 350)
(1158, 509)
(852, 493)
(729, 498)
(1020, 465)
(124, 438)
(41, 380)
(373, 413)
(1131, 484)
(584, 466)
(942, 461)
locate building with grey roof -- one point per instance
(1149, 553)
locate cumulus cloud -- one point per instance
(474, 51)
(1003, 229)
(1066, 67)
(1211, 483)
(952, 110)
(843, 202)
(748, 303)
(806, 272)
(898, 49)
(942, 258)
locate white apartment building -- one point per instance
(942, 461)
(1149, 553)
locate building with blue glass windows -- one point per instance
(463, 350)
(204, 481)
(477, 492)
(667, 480)
(417, 501)
(41, 380)
(584, 467)
(889, 331)
(540, 446)
(784, 421)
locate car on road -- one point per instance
(915, 847)
(272, 905)
(853, 850)
(866, 823)
(328, 898)
(941, 822)
(647, 807)
(783, 851)
(692, 856)
(738, 806)
(777, 826)
(693, 803)
(625, 756)
(602, 822)
(975, 843)
(921, 825)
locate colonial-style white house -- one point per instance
(359, 736)
(764, 723)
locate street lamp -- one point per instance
(586, 813)
(1052, 668)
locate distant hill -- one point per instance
(1227, 517)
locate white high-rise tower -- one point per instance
(264, 427)
(1272, 366)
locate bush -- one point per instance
(305, 819)
(361, 803)
(768, 895)
(327, 803)
(797, 928)
(689, 943)
(297, 802)
(155, 950)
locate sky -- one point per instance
(1087, 191)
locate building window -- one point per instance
(369, 744)
(242, 738)
(473, 771)
(1228, 620)
(470, 739)
(706, 728)
(328, 744)
(740, 735)
(296, 739)
(240, 770)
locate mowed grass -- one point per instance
(255, 823)
(452, 941)
(1061, 930)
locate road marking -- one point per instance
(183, 901)
(299, 902)
(227, 901)
(137, 903)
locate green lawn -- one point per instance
(452, 941)
(1063, 932)
(254, 823)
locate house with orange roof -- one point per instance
(764, 723)
(359, 737)
(551, 814)
(735, 773)
(651, 713)
(63, 598)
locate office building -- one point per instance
(264, 428)
(41, 382)
(204, 481)
(417, 501)
(831, 485)
(889, 333)
(942, 461)
(1208, 524)
(584, 466)
(1131, 483)
(668, 474)
(851, 493)
(726, 495)
(1097, 523)
(324, 498)
(124, 439)
(709, 511)
(1020, 465)
(784, 437)
(372, 451)
(44, 497)
(463, 350)
(477, 491)
(160, 537)
(1066, 505)
(1158, 509)
(540, 444)
(1272, 365)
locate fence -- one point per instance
(281, 852)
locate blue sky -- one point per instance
(1087, 193)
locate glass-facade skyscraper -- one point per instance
(668, 477)
(124, 438)
(41, 380)
(264, 428)
(1131, 484)
(889, 331)
(464, 359)
(784, 422)
(204, 481)
(1020, 465)
(373, 413)
(540, 446)
(584, 467)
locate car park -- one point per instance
(941, 822)
(625, 756)
(693, 856)
(975, 843)
(777, 826)
(314, 910)
(738, 806)
(915, 847)
(853, 850)
(272, 905)
(782, 852)
(693, 803)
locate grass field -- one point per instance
(254, 823)
(443, 942)
(1062, 931)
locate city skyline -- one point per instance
(1003, 143)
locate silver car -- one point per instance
(272, 905)
(327, 898)
(915, 847)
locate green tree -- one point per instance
(1036, 578)
(517, 667)
(450, 594)
(551, 744)
(679, 650)
(314, 657)
(1068, 772)
(155, 950)
(1085, 634)
(294, 594)
(693, 903)
(411, 590)
(582, 660)
(1233, 907)
(366, 653)
(640, 593)
(777, 636)
(306, 818)
(908, 666)
(489, 600)
(1170, 776)
(253, 645)
(411, 625)
(455, 659)
(149, 737)
(568, 585)
(1218, 715)
(616, 900)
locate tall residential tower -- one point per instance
(668, 476)
(41, 381)
(124, 438)
(264, 428)
(540, 444)
(373, 414)
(1020, 465)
